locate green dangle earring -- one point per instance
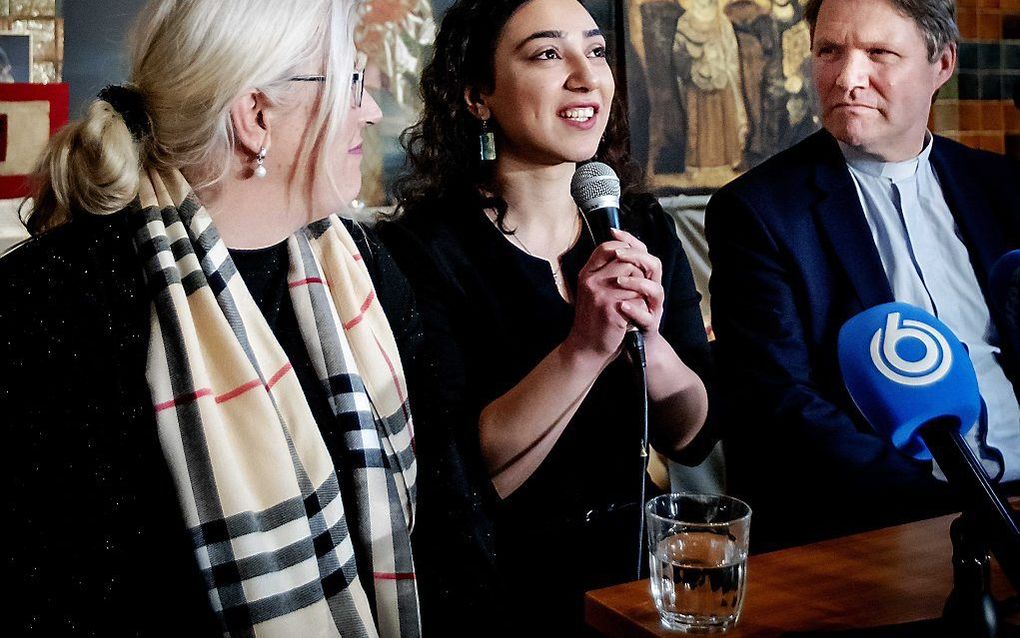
(486, 143)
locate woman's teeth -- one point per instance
(578, 115)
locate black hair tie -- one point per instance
(129, 105)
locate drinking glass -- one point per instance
(697, 552)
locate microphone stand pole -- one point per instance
(993, 518)
(970, 609)
(987, 523)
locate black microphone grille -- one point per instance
(594, 185)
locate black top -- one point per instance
(96, 542)
(492, 313)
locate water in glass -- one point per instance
(698, 580)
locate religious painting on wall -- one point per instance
(715, 87)
(398, 37)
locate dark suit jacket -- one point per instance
(793, 259)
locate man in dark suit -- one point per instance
(871, 209)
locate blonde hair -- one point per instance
(190, 60)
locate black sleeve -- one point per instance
(452, 539)
(96, 543)
(446, 406)
(682, 324)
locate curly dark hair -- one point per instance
(443, 162)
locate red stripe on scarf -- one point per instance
(238, 391)
(184, 398)
(226, 396)
(305, 282)
(400, 391)
(279, 375)
(361, 314)
(251, 385)
(391, 576)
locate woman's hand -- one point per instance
(647, 284)
(620, 285)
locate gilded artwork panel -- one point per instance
(716, 87)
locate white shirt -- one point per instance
(928, 266)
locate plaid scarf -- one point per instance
(255, 480)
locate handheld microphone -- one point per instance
(596, 190)
(912, 380)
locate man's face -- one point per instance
(871, 68)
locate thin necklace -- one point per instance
(556, 272)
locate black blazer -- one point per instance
(793, 260)
(96, 542)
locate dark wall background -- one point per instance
(94, 47)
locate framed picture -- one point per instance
(15, 57)
(715, 87)
(29, 115)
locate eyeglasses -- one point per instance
(357, 80)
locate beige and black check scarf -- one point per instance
(257, 485)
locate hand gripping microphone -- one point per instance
(596, 189)
(912, 380)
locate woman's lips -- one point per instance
(355, 151)
(583, 125)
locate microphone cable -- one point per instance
(635, 345)
(595, 188)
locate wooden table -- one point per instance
(889, 576)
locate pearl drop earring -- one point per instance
(260, 159)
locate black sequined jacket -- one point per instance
(96, 544)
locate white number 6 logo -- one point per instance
(930, 368)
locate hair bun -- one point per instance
(130, 105)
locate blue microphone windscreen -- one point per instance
(904, 368)
(1004, 283)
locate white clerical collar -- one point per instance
(893, 171)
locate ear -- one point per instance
(250, 121)
(945, 65)
(476, 104)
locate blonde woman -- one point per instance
(202, 397)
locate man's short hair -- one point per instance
(935, 18)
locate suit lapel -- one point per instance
(984, 238)
(841, 219)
